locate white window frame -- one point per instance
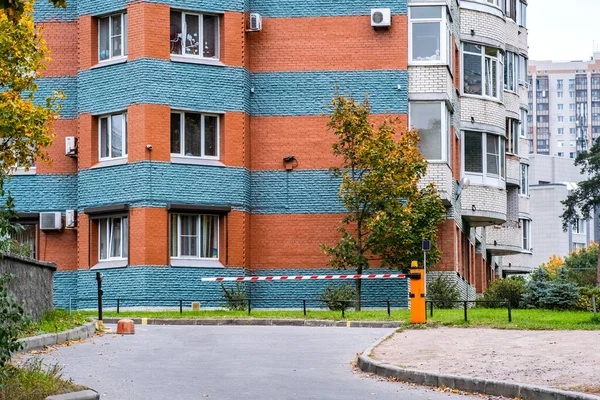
(445, 117)
(445, 37)
(560, 154)
(485, 86)
(124, 136)
(198, 229)
(522, 62)
(560, 95)
(510, 66)
(522, 14)
(560, 143)
(524, 124)
(526, 234)
(561, 131)
(484, 177)
(579, 227)
(524, 180)
(124, 49)
(201, 32)
(202, 136)
(512, 136)
(109, 230)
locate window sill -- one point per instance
(196, 263)
(110, 163)
(21, 171)
(196, 60)
(110, 264)
(428, 63)
(196, 161)
(110, 61)
(481, 97)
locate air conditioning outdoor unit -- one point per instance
(381, 17)
(70, 219)
(70, 146)
(255, 22)
(50, 221)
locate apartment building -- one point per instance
(193, 139)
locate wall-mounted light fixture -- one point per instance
(290, 162)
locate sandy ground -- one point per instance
(559, 359)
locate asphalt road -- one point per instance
(231, 362)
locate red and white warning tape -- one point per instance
(304, 277)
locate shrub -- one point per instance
(235, 298)
(580, 266)
(553, 294)
(511, 289)
(584, 302)
(12, 319)
(443, 292)
(338, 297)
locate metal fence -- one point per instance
(465, 304)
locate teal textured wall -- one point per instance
(323, 8)
(37, 193)
(173, 283)
(68, 85)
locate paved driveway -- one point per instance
(230, 362)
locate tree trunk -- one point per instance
(598, 269)
(358, 285)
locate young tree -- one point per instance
(25, 122)
(15, 9)
(388, 215)
(583, 201)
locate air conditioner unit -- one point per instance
(381, 17)
(255, 22)
(70, 146)
(50, 221)
(70, 219)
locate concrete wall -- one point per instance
(33, 284)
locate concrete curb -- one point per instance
(259, 322)
(50, 339)
(82, 395)
(466, 383)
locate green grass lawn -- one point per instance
(478, 317)
(55, 321)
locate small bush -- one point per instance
(12, 319)
(552, 294)
(443, 292)
(338, 297)
(235, 298)
(511, 289)
(584, 302)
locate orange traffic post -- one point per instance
(418, 309)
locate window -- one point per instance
(493, 2)
(572, 107)
(25, 237)
(511, 9)
(561, 131)
(524, 186)
(559, 84)
(113, 238)
(510, 71)
(522, 14)
(561, 154)
(112, 136)
(195, 35)
(524, 124)
(112, 37)
(522, 61)
(572, 119)
(579, 226)
(512, 134)
(484, 157)
(481, 70)
(572, 143)
(561, 143)
(561, 106)
(571, 94)
(561, 118)
(578, 246)
(571, 84)
(559, 95)
(571, 131)
(194, 236)
(195, 135)
(432, 121)
(526, 227)
(572, 155)
(431, 39)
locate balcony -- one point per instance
(513, 170)
(484, 205)
(505, 239)
(441, 175)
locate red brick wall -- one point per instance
(87, 28)
(88, 141)
(456, 154)
(60, 248)
(148, 31)
(328, 43)
(233, 39)
(58, 162)
(239, 244)
(148, 238)
(235, 139)
(480, 274)
(447, 245)
(305, 137)
(61, 39)
(148, 124)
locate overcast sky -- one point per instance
(563, 30)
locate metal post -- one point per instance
(509, 312)
(431, 309)
(99, 280)
(180, 306)
(304, 306)
(594, 306)
(389, 311)
(70, 304)
(343, 308)
(425, 273)
(465, 307)
(249, 306)
(118, 305)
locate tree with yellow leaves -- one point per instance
(388, 215)
(14, 9)
(554, 263)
